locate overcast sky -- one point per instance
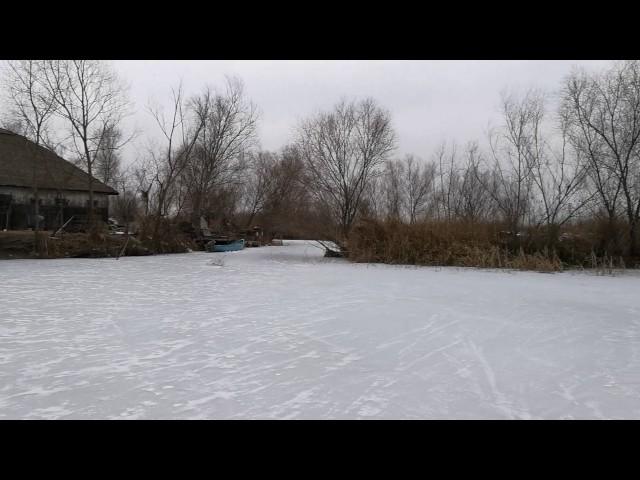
(430, 101)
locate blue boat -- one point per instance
(225, 245)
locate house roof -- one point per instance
(19, 155)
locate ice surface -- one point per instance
(281, 332)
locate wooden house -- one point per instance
(62, 188)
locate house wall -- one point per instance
(22, 210)
(76, 199)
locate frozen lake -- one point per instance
(281, 332)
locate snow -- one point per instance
(281, 332)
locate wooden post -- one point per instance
(125, 246)
(65, 224)
(8, 213)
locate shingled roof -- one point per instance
(18, 155)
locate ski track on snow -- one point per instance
(281, 332)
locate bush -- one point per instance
(170, 236)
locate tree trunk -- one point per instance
(157, 220)
(36, 199)
(609, 242)
(36, 229)
(633, 241)
(553, 234)
(196, 212)
(91, 213)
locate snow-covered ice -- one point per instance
(281, 332)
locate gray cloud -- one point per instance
(431, 101)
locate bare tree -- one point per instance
(510, 149)
(30, 103)
(274, 192)
(418, 186)
(393, 188)
(447, 179)
(258, 185)
(143, 179)
(406, 188)
(343, 149)
(125, 206)
(168, 161)
(559, 174)
(473, 201)
(228, 131)
(605, 109)
(32, 107)
(578, 103)
(107, 159)
(371, 203)
(287, 204)
(91, 100)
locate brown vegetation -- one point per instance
(547, 190)
(487, 245)
(22, 244)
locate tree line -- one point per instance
(560, 163)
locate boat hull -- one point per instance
(228, 247)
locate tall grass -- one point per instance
(464, 244)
